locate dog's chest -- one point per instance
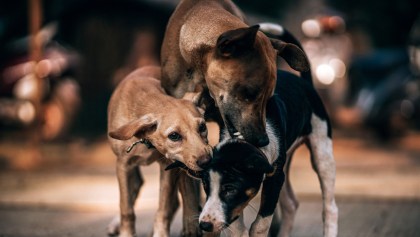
(272, 150)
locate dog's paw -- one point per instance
(113, 228)
(126, 235)
(157, 233)
(197, 233)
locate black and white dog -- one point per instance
(295, 116)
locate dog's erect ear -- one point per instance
(235, 42)
(137, 127)
(293, 55)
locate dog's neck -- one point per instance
(271, 151)
(144, 141)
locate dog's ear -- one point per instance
(197, 99)
(293, 55)
(257, 162)
(203, 99)
(138, 127)
(242, 155)
(234, 42)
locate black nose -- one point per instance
(262, 141)
(206, 226)
(204, 161)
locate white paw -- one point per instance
(126, 235)
(113, 228)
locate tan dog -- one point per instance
(208, 45)
(140, 112)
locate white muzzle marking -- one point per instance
(213, 209)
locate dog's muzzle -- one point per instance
(257, 139)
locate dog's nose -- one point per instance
(206, 226)
(204, 161)
(263, 141)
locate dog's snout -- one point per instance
(262, 141)
(204, 161)
(206, 226)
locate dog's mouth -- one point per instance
(178, 164)
(233, 132)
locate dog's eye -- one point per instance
(249, 94)
(202, 128)
(228, 191)
(175, 136)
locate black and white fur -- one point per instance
(295, 116)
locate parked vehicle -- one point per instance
(58, 92)
(385, 87)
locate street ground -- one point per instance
(70, 189)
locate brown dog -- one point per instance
(208, 45)
(140, 112)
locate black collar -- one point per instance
(144, 141)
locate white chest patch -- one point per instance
(271, 151)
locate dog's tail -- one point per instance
(277, 31)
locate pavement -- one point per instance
(70, 189)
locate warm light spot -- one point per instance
(325, 74)
(26, 88)
(311, 28)
(26, 112)
(338, 66)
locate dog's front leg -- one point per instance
(269, 197)
(190, 193)
(130, 181)
(168, 201)
(238, 228)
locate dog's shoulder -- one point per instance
(299, 93)
(296, 100)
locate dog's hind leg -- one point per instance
(168, 201)
(190, 193)
(320, 145)
(288, 202)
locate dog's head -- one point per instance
(241, 76)
(231, 181)
(178, 131)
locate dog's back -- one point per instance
(186, 34)
(138, 86)
(294, 102)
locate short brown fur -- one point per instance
(208, 45)
(140, 109)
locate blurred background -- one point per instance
(61, 60)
